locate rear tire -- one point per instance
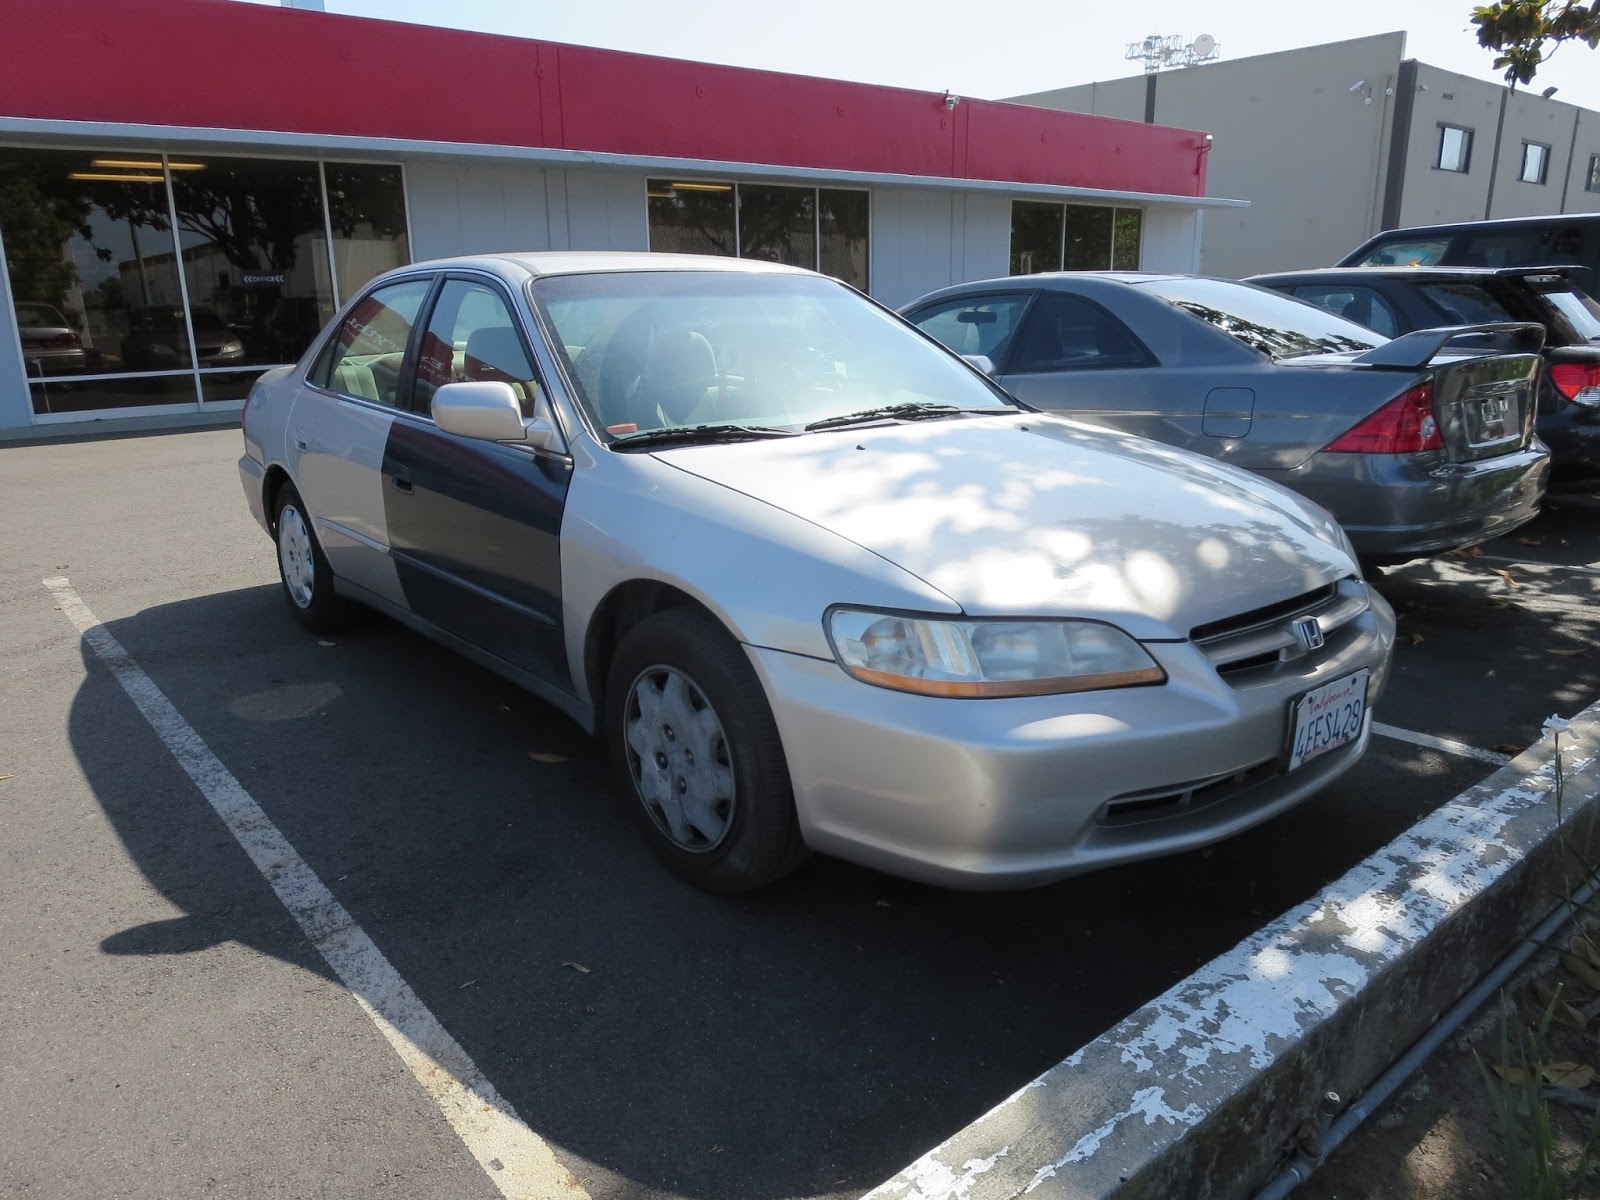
(696, 752)
(303, 569)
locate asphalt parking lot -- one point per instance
(170, 1031)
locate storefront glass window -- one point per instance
(88, 245)
(106, 318)
(691, 218)
(844, 220)
(821, 229)
(778, 224)
(1088, 237)
(255, 255)
(1074, 237)
(1035, 237)
(367, 211)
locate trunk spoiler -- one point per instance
(1412, 351)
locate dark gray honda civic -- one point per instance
(1418, 444)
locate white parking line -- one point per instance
(1447, 745)
(515, 1158)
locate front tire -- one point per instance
(303, 568)
(695, 750)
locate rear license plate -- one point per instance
(1327, 718)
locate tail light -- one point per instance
(65, 340)
(1578, 382)
(1405, 425)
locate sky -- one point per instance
(981, 48)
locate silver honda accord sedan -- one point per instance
(816, 582)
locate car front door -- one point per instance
(475, 526)
(339, 427)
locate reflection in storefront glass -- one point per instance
(367, 212)
(844, 222)
(1035, 237)
(778, 224)
(88, 244)
(691, 218)
(255, 257)
(1130, 232)
(1088, 237)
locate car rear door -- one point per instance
(1074, 356)
(475, 526)
(340, 424)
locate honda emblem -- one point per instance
(1308, 633)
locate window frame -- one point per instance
(489, 283)
(1041, 298)
(1470, 135)
(1592, 182)
(1544, 162)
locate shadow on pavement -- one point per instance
(809, 1040)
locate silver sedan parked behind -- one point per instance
(1415, 445)
(816, 582)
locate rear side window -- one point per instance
(1466, 302)
(1359, 304)
(364, 358)
(1406, 252)
(1520, 246)
(974, 324)
(1268, 322)
(1069, 333)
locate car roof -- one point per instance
(587, 262)
(1494, 223)
(1356, 274)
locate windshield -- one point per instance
(661, 350)
(1270, 322)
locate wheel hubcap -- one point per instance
(679, 758)
(295, 561)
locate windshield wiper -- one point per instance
(922, 411)
(684, 434)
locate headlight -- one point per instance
(936, 656)
(163, 348)
(231, 348)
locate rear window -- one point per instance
(1466, 302)
(1520, 246)
(1269, 322)
(1406, 252)
(1581, 310)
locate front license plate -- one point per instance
(1327, 718)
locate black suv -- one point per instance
(1572, 240)
(1397, 300)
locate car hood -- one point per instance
(1036, 515)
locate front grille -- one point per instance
(1262, 616)
(1246, 646)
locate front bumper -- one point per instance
(1018, 792)
(252, 475)
(1397, 506)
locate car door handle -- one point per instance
(401, 478)
(301, 442)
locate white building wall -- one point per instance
(469, 208)
(1172, 239)
(923, 239)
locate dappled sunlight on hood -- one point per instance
(1034, 515)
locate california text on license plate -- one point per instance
(1327, 718)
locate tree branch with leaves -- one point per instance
(1525, 33)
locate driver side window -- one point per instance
(974, 324)
(472, 336)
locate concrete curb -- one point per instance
(1198, 1093)
(93, 428)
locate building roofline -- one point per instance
(29, 130)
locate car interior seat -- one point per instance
(679, 368)
(494, 354)
(1358, 309)
(355, 379)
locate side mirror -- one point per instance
(490, 412)
(982, 361)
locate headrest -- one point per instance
(681, 357)
(495, 352)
